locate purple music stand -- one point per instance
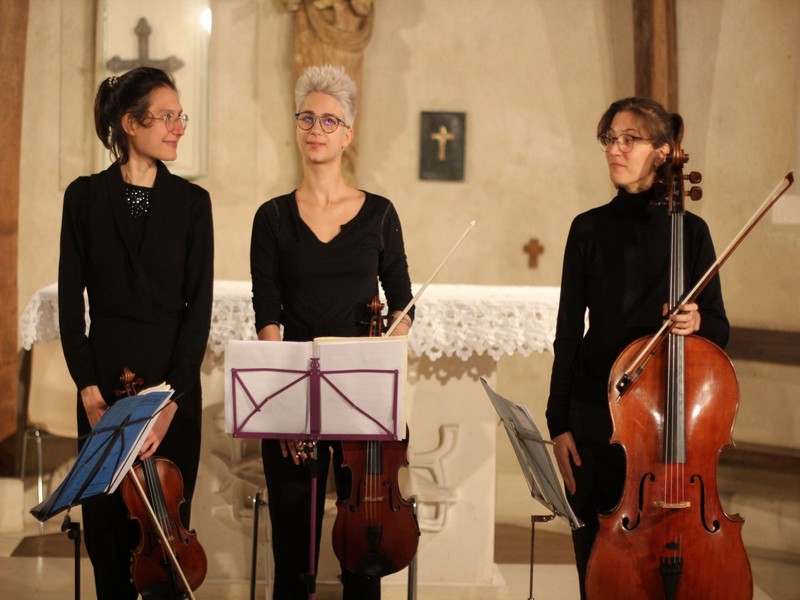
(249, 390)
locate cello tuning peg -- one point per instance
(694, 177)
(695, 193)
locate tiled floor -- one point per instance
(41, 578)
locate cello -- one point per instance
(169, 563)
(673, 401)
(376, 531)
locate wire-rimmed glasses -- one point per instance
(170, 120)
(624, 142)
(328, 123)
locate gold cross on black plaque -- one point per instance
(442, 136)
(533, 248)
(143, 31)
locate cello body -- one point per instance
(669, 538)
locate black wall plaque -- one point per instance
(441, 143)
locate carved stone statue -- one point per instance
(333, 32)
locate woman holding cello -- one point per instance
(617, 266)
(139, 241)
(316, 257)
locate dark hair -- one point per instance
(126, 94)
(661, 127)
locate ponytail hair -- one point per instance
(126, 94)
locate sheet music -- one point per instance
(533, 456)
(107, 454)
(362, 380)
(378, 359)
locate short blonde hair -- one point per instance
(331, 80)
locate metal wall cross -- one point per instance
(442, 137)
(170, 64)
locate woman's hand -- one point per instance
(566, 453)
(93, 404)
(403, 327)
(159, 430)
(297, 449)
(686, 321)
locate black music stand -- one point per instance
(106, 457)
(533, 457)
(289, 400)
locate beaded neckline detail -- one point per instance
(138, 199)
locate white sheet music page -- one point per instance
(258, 401)
(362, 376)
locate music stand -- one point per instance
(328, 389)
(531, 451)
(104, 460)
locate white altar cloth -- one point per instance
(451, 320)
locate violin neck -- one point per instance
(156, 493)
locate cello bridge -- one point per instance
(672, 505)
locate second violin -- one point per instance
(376, 531)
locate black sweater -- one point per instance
(319, 289)
(616, 265)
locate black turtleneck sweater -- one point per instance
(616, 265)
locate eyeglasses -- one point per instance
(170, 120)
(624, 142)
(328, 123)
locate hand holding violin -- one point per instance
(159, 430)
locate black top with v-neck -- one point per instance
(316, 288)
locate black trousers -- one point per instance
(289, 491)
(599, 483)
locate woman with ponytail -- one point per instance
(139, 242)
(616, 268)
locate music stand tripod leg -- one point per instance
(258, 503)
(73, 531)
(313, 464)
(535, 519)
(412, 566)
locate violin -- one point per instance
(673, 401)
(376, 531)
(169, 562)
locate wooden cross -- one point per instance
(442, 137)
(143, 31)
(533, 249)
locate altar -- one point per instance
(459, 333)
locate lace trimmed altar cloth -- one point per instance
(451, 320)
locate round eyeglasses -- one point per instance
(328, 123)
(170, 120)
(624, 142)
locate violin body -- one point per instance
(376, 531)
(669, 538)
(151, 569)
